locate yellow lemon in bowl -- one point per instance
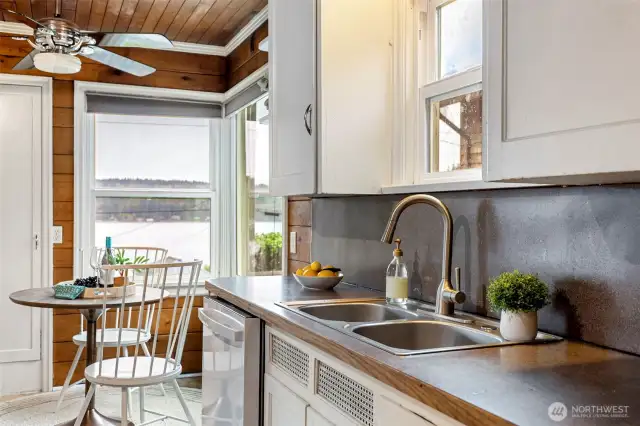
(300, 271)
(326, 273)
(316, 266)
(310, 273)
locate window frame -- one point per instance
(416, 85)
(220, 191)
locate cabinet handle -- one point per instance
(307, 119)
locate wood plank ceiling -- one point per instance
(212, 22)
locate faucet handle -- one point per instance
(457, 296)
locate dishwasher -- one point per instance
(231, 365)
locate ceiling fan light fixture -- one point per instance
(57, 63)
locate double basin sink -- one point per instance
(408, 329)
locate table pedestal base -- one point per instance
(95, 418)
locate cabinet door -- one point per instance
(292, 97)
(315, 419)
(561, 91)
(281, 406)
(389, 413)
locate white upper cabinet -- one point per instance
(292, 97)
(561, 87)
(330, 96)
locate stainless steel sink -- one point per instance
(424, 335)
(409, 329)
(357, 312)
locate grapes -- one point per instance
(89, 282)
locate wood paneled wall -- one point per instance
(175, 71)
(247, 58)
(299, 218)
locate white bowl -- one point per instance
(318, 283)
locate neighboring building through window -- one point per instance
(450, 81)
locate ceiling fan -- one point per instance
(57, 42)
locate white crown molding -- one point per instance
(206, 49)
(246, 31)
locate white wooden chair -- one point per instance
(148, 369)
(153, 255)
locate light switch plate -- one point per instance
(56, 235)
(293, 241)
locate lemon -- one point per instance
(326, 274)
(299, 271)
(316, 266)
(310, 273)
(306, 268)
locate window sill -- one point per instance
(465, 185)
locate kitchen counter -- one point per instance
(492, 386)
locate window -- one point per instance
(152, 184)
(260, 216)
(444, 77)
(451, 96)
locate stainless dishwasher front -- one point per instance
(231, 365)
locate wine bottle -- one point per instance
(107, 275)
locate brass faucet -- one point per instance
(447, 296)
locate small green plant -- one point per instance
(517, 292)
(119, 258)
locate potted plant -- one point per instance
(119, 258)
(518, 297)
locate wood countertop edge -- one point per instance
(454, 407)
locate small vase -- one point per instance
(519, 326)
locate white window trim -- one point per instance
(413, 34)
(221, 193)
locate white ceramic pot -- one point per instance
(519, 326)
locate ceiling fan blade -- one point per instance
(119, 62)
(27, 62)
(149, 41)
(24, 18)
(15, 28)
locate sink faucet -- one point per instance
(447, 296)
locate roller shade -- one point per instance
(246, 97)
(122, 105)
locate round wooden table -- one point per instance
(92, 310)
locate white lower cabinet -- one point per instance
(390, 413)
(282, 407)
(315, 419)
(307, 387)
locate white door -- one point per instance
(292, 107)
(20, 228)
(281, 406)
(561, 91)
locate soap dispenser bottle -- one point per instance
(397, 278)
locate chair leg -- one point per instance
(141, 395)
(124, 421)
(192, 422)
(85, 405)
(67, 381)
(130, 402)
(145, 349)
